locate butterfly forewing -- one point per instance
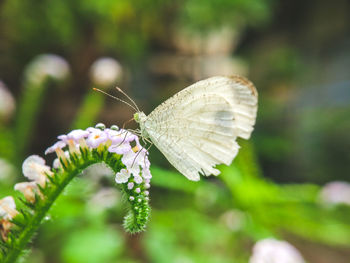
(197, 128)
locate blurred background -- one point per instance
(289, 182)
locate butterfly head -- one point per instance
(140, 118)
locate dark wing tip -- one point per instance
(244, 81)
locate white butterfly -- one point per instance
(197, 128)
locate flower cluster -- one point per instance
(133, 176)
(117, 149)
(119, 141)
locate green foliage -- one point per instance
(102, 243)
(204, 15)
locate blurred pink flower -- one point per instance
(336, 192)
(275, 251)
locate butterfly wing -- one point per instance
(197, 128)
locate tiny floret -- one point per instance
(138, 190)
(122, 148)
(53, 148)
(138, 179)
(96, 137)
(8, 208)
(146, 173)
(130, 185)
(76, 135)
(34, 169)
(28, 189)
(122, 176)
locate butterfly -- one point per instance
(197, 128)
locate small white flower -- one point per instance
(8, 208)
(62, 137)
(138, 190)
(275, 251)
(120, 148)
(128, 136)
(128, 160)
(147, 185)
(142, 158)
(92, 129)
(122, 176)
(146, 193)
(139, 157)
(76, 135)
(130, 185)
(131, 198)
(34, 169)
(96, 137)
(28, 189)
(57, 164)
(138, 179)
(59, 144)
(139, 200)
(146, 198)
(146, 173)
(115, 136)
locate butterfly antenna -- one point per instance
(126, 95)
(109, 95)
